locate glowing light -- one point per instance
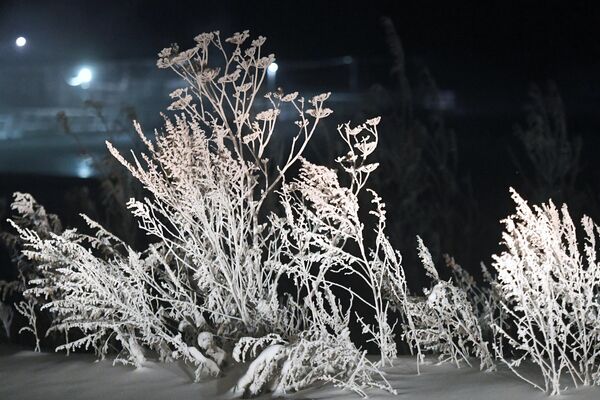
(21, 41)
(272, 69)
(85, 75)
(85, 168)
(83, 78)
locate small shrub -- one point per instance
(549, 284)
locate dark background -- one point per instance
(470, 40)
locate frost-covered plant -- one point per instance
(485, 298)
(323, 352)
(320, 224)
(444, 322)
(325, 231)
(28, 214)
(100, 291)
(209, 177)
(549, 285)
(316, 356)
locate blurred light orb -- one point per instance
(83, 78)
(85, 75)
(85, 168)
(273, 67)
(21, 41)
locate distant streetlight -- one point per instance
(21, 41)
(272, 69)
(271, 75)
(83, 78)
(85, 75)
(85, 168)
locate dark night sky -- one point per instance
(537, 39)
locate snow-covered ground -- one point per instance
(27, 375)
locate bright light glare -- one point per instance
(21, 41)
(85, 168)
(273, 67)
(84, 76)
